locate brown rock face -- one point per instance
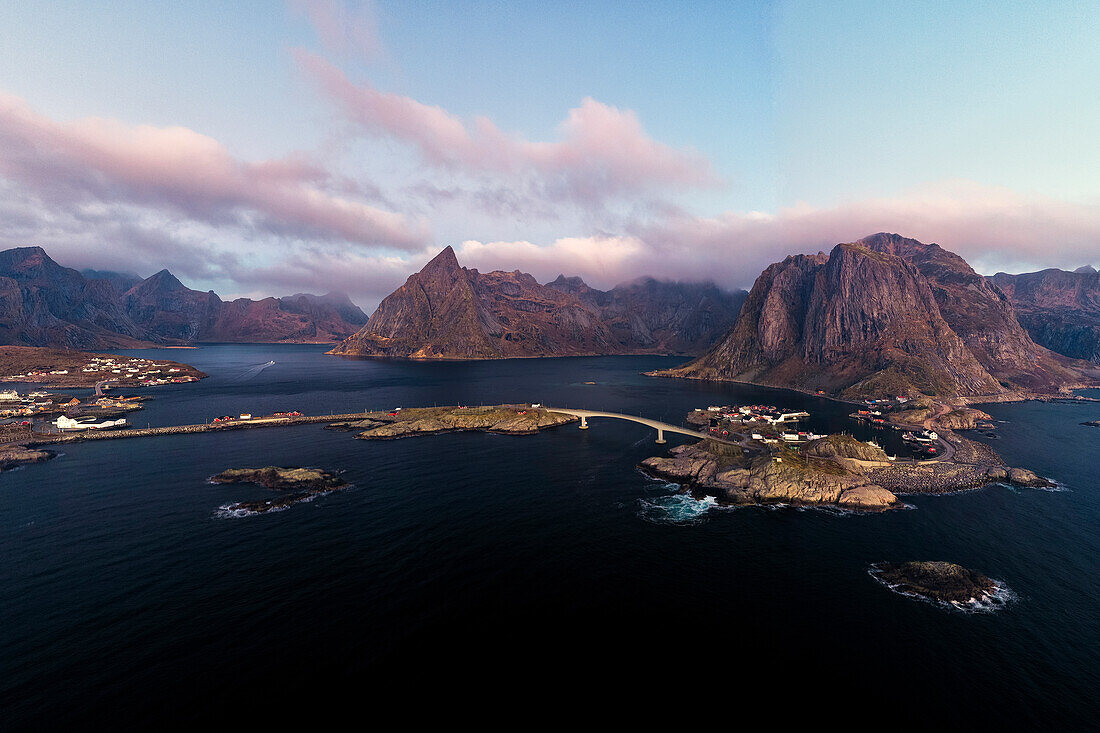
(1059, 309)
(882, 316)
(981, 314)
(447, 311)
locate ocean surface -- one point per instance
(545, 568)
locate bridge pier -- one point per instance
(584, 423)
(660, 436)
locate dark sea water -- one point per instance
(467, 569)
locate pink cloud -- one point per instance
(106, 162)
(343, 28)
(604, 151)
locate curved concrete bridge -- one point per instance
(661, 427)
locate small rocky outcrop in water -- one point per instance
(300, 484)
(937, 581)
(16, 455)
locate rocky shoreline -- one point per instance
(828, 472)
(12, 456)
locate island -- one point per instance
(506, 419)
(749, 467)
(299, 484)
(943, 582)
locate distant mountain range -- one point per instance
(1061, 310)
(45, 304)
(447, 311)
(882, 316)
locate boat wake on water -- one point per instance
(255, 370)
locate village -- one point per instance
(96, 411)
(770, 425)
(131, 371)
(767, 421)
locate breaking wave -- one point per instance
(236, 510)
(676, 509)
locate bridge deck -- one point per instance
(656, 424)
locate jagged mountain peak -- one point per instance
(446, 311)
(445, 260)
(163, 281)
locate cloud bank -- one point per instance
(993, 228)
(184, 174)
(604, 152)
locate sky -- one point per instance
(265, 148)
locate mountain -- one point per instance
(320, 306)
(170, 311)
(45, 304)
(122, 281)
(981, 314)
(447, 311)
(1059, 309)
(659, 315)
(881, 316)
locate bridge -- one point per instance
(660, 427)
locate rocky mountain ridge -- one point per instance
(447, 311)
(45, 304)
(881, 316)
(1059, 309)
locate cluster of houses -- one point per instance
(133, 370)
(753, 414)
(887, 401)
(767, 419)
(13, 404)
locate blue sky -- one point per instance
(716, 138)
